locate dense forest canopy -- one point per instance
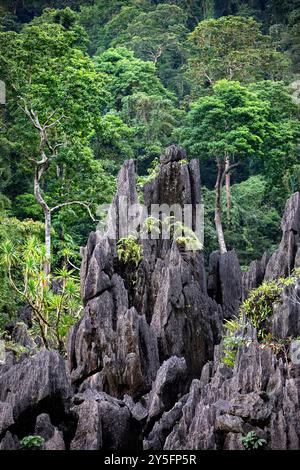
(92, 83)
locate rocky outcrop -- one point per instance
(103, 422)
(145, 365)
(260, 394)
(52, 436)
(137, 317)
(163, 427)
(286, 258)
(255, 274)
(168, 386)
(33, 386)
(285, 322)
(224, 283)
(9, 442)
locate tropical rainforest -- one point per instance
(90, 84)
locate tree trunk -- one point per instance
(218, 209)
(47, 265)
(47, 217)
(227, 185)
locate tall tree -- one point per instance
(233, 48)
(55, 97)
(226, 127)
(140, 101)
(158, 35)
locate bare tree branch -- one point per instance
(226, 171)
(80, 203)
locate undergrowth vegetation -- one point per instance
(257, 310)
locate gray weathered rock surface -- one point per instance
(284, 259)
(35, 385)
(104, 422)
(258, 395)
(144, 365)
(127, 332)
(225, 281)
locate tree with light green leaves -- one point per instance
(140, 101)
(233, 48)
(54, 299)
(157, 35)
(254, 127)
(227, 126)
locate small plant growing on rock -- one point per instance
(258, 307)
(189, 242)
(129, 250)
(252, 442)
(152, 225)
(32, 442)
(232, 341)
(184, 236)
(231, 345)
(16, 348)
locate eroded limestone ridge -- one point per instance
(138, 316)
(144, 366)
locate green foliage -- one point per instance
(129, 250)
(231, 122)
(145, 108)
(32, 442)
(46, 69)
(232, 341)
(127, 75)
(231, 345)
(19, 231)
(253, 125)
(252, 442)
(16, 348)
(157, 35)
(185, 237)
(152, 226)
(152, 66)
(233, 48)
(258, 307)
(280, 149)
(254, 223)
(55, 301)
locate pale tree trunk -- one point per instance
(48, 152)
(227, 186)
(218, 208)
(48, 242)
(47, 217)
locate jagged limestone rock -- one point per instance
(257, 395)
(284, 259)
(37, 384)
(9, 442)
(52, 436)
(225, 281)
(143, 361)
(129, 329)
(255, 274)
(6, 416)
(104, 422)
